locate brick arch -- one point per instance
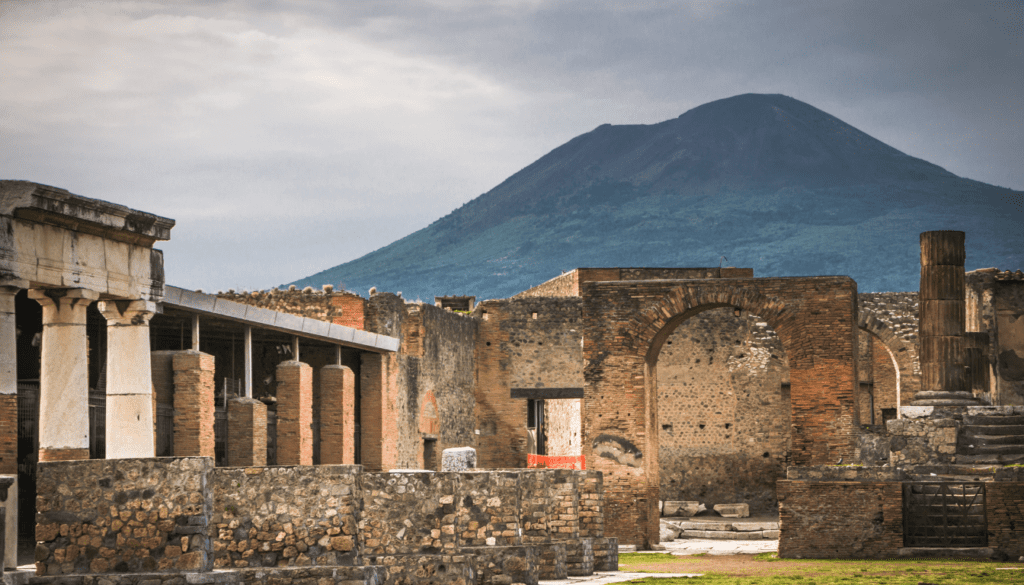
(903, 354)
(625, 323)
(657, 322)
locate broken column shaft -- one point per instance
(942, 314)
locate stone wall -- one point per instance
(123, 515)
(286, 516)
(433, 380)
(893, 319)
(523, 343)
(409, 513)
(723, 412)
(840, 519)
(995, 306)
(339, 307)
(921, 441)
(1004, 504)
(565, 285)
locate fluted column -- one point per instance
(129, 421)
(942, 311)
(64, 374)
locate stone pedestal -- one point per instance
(337, 415)
(129, 419)
(64, 374)
(294, 413)
(247, 433)
(458, 459)
(193, 404)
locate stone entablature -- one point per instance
(52, 238)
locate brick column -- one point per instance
(193, 404)
(129, 413)
(64, 374)
(294, 413)
(9, 415)
(378, 416)
(337, 415)
(247, 433)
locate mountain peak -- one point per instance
(767, 180)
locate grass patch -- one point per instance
(768, 569)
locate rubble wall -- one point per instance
(522, 343)
(723, 412)
(840, 519)
(124, 515)
(286, 516)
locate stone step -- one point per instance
(993, 420)
(1004, 459)
(938, 395)
(979, 440)
(991, 450)
(989, 430)
(730, 535)
(946, 552)
(944, 402)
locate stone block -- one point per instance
(458, 459)
(504, 565)
(606, 554)
(733, 510)
(681, 508)
(551, 558)
(770, 534)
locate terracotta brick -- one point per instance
(193, 404)
(337, 415)
(294, 413)
(247, 432)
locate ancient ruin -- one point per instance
(159, 433)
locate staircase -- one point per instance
(935, 398)
(995, 439)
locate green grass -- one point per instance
(818, 571)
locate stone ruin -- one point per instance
(689, 384)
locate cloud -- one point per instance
(367, 121)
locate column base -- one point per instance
(63, 454)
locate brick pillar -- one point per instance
(942, 308)
(378, 416)
(64, 374)
(247, 433)
(591, 504)
(294, 413)
(193, 404)
(9, 416)
(337, 415)
(129, 412)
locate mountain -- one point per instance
(766, 181)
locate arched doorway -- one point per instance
(627, 323)
(723, 408)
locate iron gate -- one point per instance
(944, 514)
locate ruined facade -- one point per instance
(657, 384)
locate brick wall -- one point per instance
(247, 432)
(523, 343)
(294, 413)
(337, 415)
(843, 519)
(564, 426)
(193, 404)
(723, 415)
(286, 516)
(431, 377)
(565, 285)
(883, 376)
(341, 307)
(123, 516)
(892, 318)
(626, 323)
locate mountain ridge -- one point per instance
(767, 181)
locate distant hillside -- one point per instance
(767, 181)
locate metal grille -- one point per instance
(944, 514)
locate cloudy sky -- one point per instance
(288, 137)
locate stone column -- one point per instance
(9, 414)
(247, 432)
(337, 415)
(129, 420)
(942, 318)
(294, 413)
(193, 404)
(64, 374)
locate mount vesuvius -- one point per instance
(767, 181)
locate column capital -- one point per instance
(7, 294)
(63, 305)
(118, 312)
